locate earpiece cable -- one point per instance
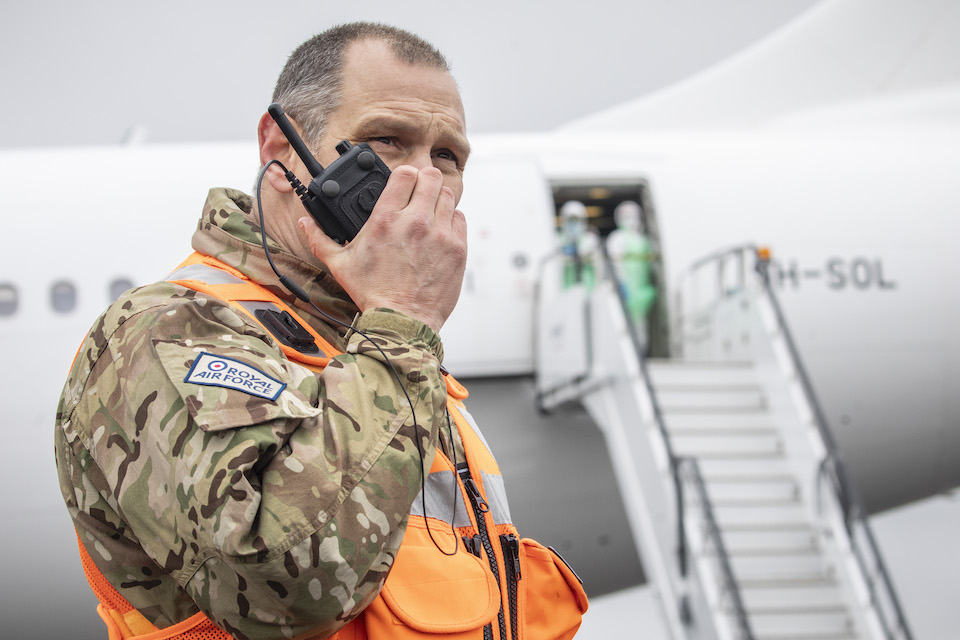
(302, 295)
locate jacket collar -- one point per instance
(229, 230)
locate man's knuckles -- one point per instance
(405, 174)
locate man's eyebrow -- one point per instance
(377, 124)
(386, 123)
(463, 148)
(458, 143)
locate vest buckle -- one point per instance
(285, 328)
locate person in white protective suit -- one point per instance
(632, 254)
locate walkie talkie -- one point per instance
(342, 196)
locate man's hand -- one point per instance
(411, 253)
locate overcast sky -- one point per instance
(96, 72)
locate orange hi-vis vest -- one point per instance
(495, 587)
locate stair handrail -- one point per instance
(844, 489)
(541, 395)
(728, 584)
(672, 458)
(718, 258)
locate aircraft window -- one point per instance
(118, 287)
(63, 296)
(8, 299)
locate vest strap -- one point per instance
(209, 276)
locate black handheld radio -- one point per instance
(342, 196)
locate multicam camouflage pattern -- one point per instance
(275, 518)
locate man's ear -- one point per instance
(274, 146)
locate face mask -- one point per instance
(573, 227)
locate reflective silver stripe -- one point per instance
(496, 492)
(493, 485)
(473, 425)
(203, 273)
(255, 305)
(442, 488)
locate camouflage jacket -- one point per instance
(273, 517)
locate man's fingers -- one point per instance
(321, 244)
(459, 224)
(396, 195)
(446, 206)
(427, 191)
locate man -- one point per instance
(242, 463)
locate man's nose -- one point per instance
(419, 158)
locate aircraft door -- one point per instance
(635, 247)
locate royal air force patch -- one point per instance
(218, 371)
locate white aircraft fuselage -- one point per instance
(860, 222)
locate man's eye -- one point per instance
(381, 139)
(446, 154)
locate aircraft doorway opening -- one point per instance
(601, 200)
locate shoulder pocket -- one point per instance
(234, 387)
(551, 599)
(428, 593)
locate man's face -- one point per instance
(408, 114)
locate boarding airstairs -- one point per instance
(744, 516)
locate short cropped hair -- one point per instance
(309, 87)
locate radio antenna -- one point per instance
(276, 112)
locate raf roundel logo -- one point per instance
(217, 365)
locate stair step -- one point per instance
(771, 514)
(833, 624)
(685, 372)
(720, 431)
(730, 488)
(769, 541)
(679, 399)
(824, 596)
(755, 503)
(803, 565)
(802, 635)
(713, 446)
(678, 419)
(785, 581)
(760, 527)
(790, 635)
(779, 570)
(731, 470)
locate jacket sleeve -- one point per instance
(277, 516)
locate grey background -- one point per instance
(83, 73)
